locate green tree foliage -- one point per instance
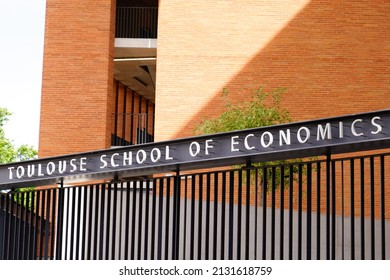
(10, 153)
(263, 109)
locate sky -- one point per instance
(21, 58)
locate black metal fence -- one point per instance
(319, 209)
(136, 22)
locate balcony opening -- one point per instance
(136, 19)
(133, 119)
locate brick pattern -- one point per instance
(77, 85)
(331, 56)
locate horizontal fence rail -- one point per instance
(136, 22)
(318, 209)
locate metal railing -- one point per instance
(136, 22)
(319, 209)
(132, 129)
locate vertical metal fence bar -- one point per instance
(38, 228)
(140, 217)
(382, 207)
(328, 181)
(247, 214)
(167, 216)
(290, 210)
(18, 221)
(7, 238)
(96, 216)
(153, 232)
(17, 226)
(174, 220)
(178, 199)
(318, 205)
(121, 252)
(133, 221)
(78, 228)
(192, 238)
(239, 214)
(352, 202)
(54, 211)
(281, 221)
(342, 211)
(308, 211)
(25, 203)
(215, 225)
(264, 208)
(185, 217)
(146, 233)
(114, 224)
(273, 199)
(231, 214)
(59, 219)
(256, 211)
(207, 233)
(90, 213)
(362, 224)
(160, 219)
(84, 226)
(223, 215)
(333, 192)
(372, 206)
(127, 222)
(102, 223)
(108, 221)
(200, 215)
(72, 229)
(300, 211)
(15, 209)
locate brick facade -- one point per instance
(331, 56)
(77, 85)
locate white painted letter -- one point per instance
(113, 164)
(167, 156)
(300, 137)
(246, 144)
(158, 155)
(61, 166)
(207, 147)
(379, 127)
(353, 130)
(232, 149)
(324, 132)
(102, 160)
(286, 137)
(19, 172)
(10, 172)
(197, 146)
(40, 170)
(127, 159)
(141, 160)
(83, 164)
(270, 141)
(30, 170)
(341, 129)
(50, 167)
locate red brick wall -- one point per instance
(77, 85)
(332, 56)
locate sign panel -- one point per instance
(326, 136)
